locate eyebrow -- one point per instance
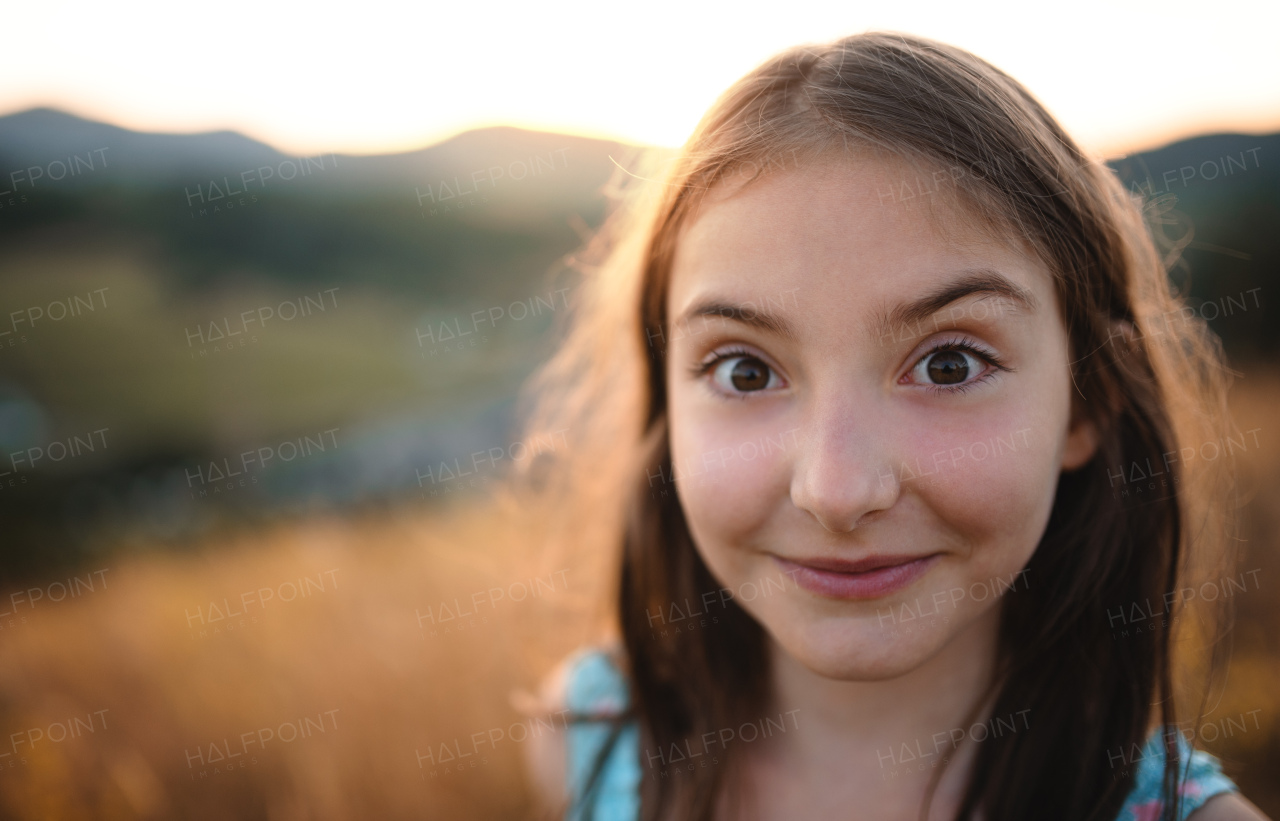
(750, 315)
(984, 281)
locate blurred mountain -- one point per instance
(39, 136)
(476, 214)
(1219, 194)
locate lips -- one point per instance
(871, 577)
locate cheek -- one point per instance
(998, 508)
(729, 477)
(991, 479)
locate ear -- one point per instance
(1082, 433)
(1081, 443)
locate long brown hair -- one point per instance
(1150, 385)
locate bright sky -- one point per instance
(377, 76)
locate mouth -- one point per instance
(872, 577)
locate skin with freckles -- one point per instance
(823, 435)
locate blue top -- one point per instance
(595, 687)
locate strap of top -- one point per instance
(1200, 779)
(596, 690)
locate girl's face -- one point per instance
(868, 418)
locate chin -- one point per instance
(858, 650)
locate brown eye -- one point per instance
(749, 375)
(947, 368)
(743, 374)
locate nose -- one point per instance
(843, 469)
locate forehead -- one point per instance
(841, 229)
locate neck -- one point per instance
(890, 736)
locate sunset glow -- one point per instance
(388, 76)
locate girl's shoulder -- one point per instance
(597, 695)
(1200, 778)
(594, 684)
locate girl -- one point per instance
(901, 502)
